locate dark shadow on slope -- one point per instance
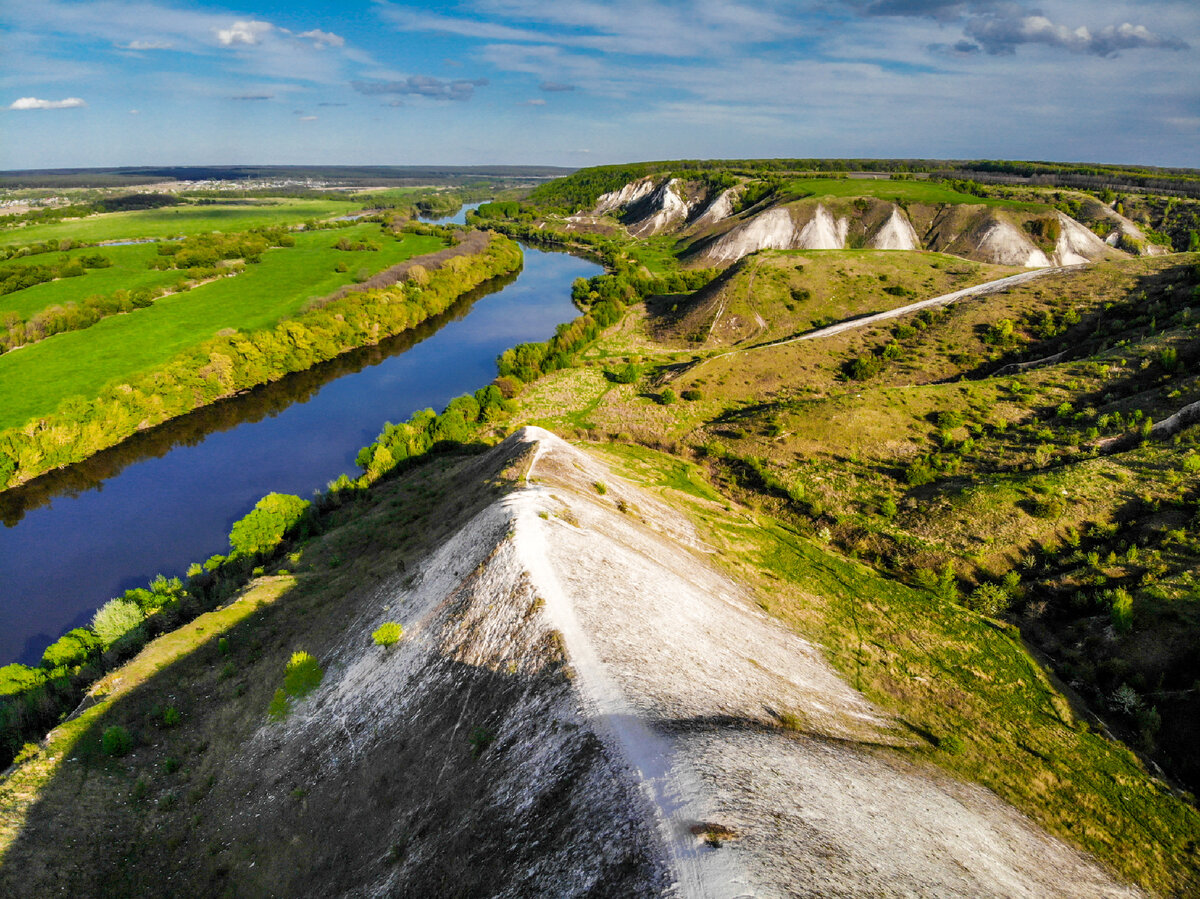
(486, 778)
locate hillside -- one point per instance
(859, 560)
(549, 725)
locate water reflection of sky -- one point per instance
(65, 558)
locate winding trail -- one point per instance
(987, 287)
(672, 791)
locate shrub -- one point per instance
(691, 394)
(667, 397)
(1121, 611)
(278, 708)
(265, 526)
(481, 739)
(863, 368)
(115, 619)
(116, 742)
(171, 716)
(626, 374)
(600, 487)
(301, 675)
(387, 634)
(919, 472)
(988, 599)
(951, 743)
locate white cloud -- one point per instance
(248, 32)
(323, 38)
(146, 45)
(35, 103)
(308, 118)
(1002, 34)
(638, 27)
(537, 102)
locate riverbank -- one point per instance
(232, 362)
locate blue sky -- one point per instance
(583, 82)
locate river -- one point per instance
(168, 497)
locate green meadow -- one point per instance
(130, 270)
(931, 193)
(176, 221)
(35, 379)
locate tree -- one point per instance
(72, 648)
(265, 526)
(115, 619)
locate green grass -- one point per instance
(656, 254)
(173, 221)
(35, 379)
(966, 687)
(659, 470)
(129, 271)
(71, 736)
(950, 673)
(898, 191)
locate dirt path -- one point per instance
(868, 320)
(674, 793)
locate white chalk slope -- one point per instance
(684, 681)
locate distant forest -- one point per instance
(350, 175)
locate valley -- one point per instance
(844, 543)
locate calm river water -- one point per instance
(168, 497)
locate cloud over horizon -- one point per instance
(35, 103)
(423, 86)
(248, 33)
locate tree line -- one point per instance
(230, 362)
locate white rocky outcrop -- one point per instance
(823, 232)
(668, 721)
(897, 233)
(619, 199)
(719, 209)
(663, 208)
(1003, 243)
(1123, 227)
(1077, 244)
(773, 229)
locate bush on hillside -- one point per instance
(72, 648)
(115, 619)
(387, 634)
(116, 742)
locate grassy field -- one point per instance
(35, 379)
(129, 271)
(176, 221)
(931, 193)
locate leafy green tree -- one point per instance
(115, 619)
(72, 648)
(265, 526)
(16, 678)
